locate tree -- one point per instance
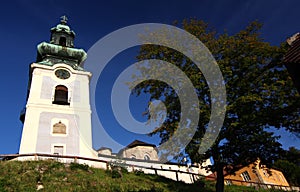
(292, 155)
(260, 95)
(289, 164)
(290, 170)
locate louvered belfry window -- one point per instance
(61, 95)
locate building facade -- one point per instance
(57, 117)
(256, 173)
(139, 150)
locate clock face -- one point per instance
(62, 73)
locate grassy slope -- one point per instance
(55, 176)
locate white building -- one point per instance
(140, 150)
(57, 119)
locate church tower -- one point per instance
(57, 118)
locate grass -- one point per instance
(55, 176)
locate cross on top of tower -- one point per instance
(63, 20)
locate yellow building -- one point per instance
(255, 174)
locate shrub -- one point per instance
(139, 172)
(74, 166)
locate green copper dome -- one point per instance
(61, 48)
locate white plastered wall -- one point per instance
(40, 99)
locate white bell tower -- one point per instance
(57, 117)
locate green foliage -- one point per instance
(292, 155)
(200, 182)
(260, 94)
(139, 172)
(115, 173)
(290, 166)
(153, 189)
(233, 188)
(55, 176)
(2, 185)
(75, 166)
(118, 168)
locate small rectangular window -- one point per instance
(58, 150)
(245, 175)
(228, 182)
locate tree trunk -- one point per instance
(220, 177)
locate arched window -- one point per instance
(59, 128)
(61, 95)
(62, 41)
(146, 157)
(133, 156)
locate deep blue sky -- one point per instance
(24, 24)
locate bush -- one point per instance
(139, 172)
(74, 166)
(115, 173)
(200, 182)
